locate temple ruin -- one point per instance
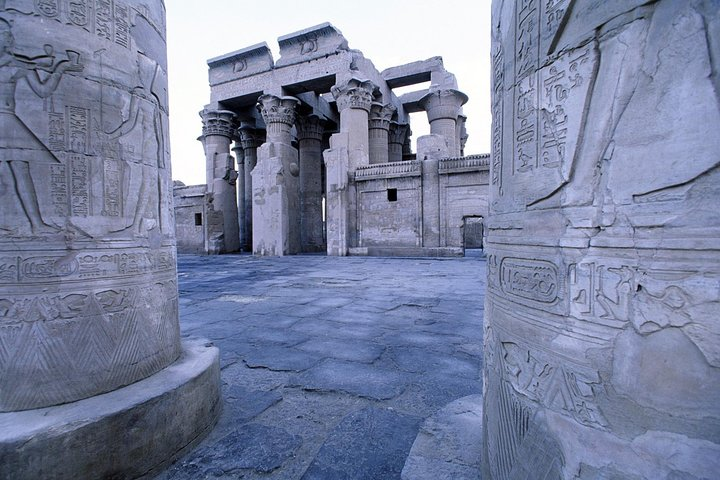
(322, 159)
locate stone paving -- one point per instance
(333, 367)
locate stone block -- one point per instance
(314, 42)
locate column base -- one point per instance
(131, 432)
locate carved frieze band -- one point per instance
(464, 164)
(389, 170)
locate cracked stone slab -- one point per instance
(369, 444)
(448, 446)
(351, 350)
(354, 378)
(251, 447)
(279, 358)
(420, 360)
(246, 404)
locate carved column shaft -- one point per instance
(310, 132)
(249, 143)
(379, 125)
(218, 131)
(397, 135)
(240, 184)
(353, 101)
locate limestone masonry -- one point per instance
(602, 341)
(88, 282)
(322, 146)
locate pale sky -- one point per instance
(388, 32)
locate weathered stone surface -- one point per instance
(88, 292)
(448, 445)
(355, 378)
(243, 449)
(601, 339)
(127, 433)
(366, 444)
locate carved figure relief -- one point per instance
(19, 145)
(142, 143)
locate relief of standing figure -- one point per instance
(18, 144)
(143, 129)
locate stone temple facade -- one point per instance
(322, 146)
(89, 333)
(602, 332)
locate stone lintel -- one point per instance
(412, 73)
(310, 43)
(411, 100)
(240, 63)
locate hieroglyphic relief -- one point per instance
(108, 19)
(547, 103)
(19, 145)
(600, 293)
(497, 115)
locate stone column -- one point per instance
(91, 360)
(354, 98)
(443, 107)
(249, 142)
(310, 132)
(276, 202)
(462, 134)
(378, 131)
(407, 144)
(602, 350)
(218, 131)
(397, 134)
(240, 184)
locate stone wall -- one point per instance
(419, 204)
(602, 346)
(191, 218)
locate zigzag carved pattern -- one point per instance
(114, 339)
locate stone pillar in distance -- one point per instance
(218, 131)
(443, 107)
(276, 199)
(379, 125)
(354, 98)
(240, 185)
(249, 142)
(350, 150)
(310, 130)
(94, 379)
(397, 134)
(602, 340)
